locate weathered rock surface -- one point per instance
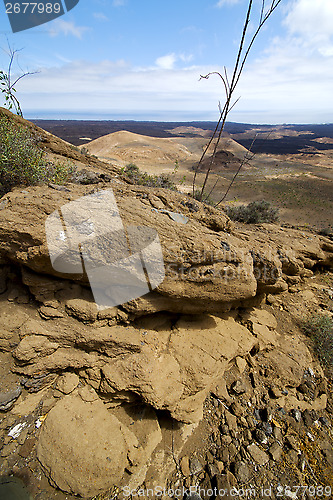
(81, 423)
(169, 370)
(208, 265)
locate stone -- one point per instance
(292, 442)
(275, 451)
(9, 449)
(260, 436)
(231, 421)
(239, 387)
(242, 472)
(142, 433)
(260, 317)
(11, 318)
(230, 272)
(195, 466)
(26, 449)
(82, 309)
(67, 382)
(71, 428)
(297, 415)
(237, 409)
(241, 364)
(185, 466)
(8, 398)
(292, 456)
(257, 454)
(226, 481)
(34, 346)
(221, 391)
(50, 313)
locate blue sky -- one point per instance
(131, 59)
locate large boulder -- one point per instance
(81, 446)
(205, 266)
(209, 265)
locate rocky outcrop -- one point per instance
(82, 423)
(209, 266)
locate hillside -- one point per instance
(204, 379)
(125, 147)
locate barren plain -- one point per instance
(292, 167)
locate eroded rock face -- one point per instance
(209, 265)
(170, 370)
(81, 445)
(204, 267)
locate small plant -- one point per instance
(8, 83)
(255, 212)
(319, 328)
(23, 162)
(143, 179)
(230, 83)
(207, 200)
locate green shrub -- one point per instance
(255, 212)
(205, 199)
(143, 179)
(23, 162)
(319, 328)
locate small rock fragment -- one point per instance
(258, 454)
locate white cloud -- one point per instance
(309, 18)
(61, 27)
(221, 3)
(118, 3)
(291, 82)
(295, 72)
(100, 16)
(166, 62)
(312, 24)
(118, 87)
(186, 58)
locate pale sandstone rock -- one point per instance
(33, 346)
(81, 447)
(261, 317)
(67, 382)
(82, 309)
(258, 455)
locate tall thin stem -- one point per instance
(230, 88)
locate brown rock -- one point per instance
(34, 346)
(258, 454)
(275, 451)
(81, 447)
(82, 309)
(67, 382)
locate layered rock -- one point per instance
(209, 266)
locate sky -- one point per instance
(142, 60)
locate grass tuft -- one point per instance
(143, 179)
(319, 328)
(255, 212)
